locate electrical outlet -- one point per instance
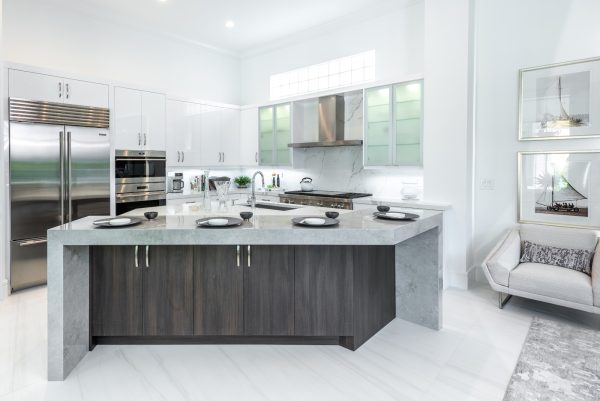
(487, 184)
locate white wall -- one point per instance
(447, 138)
(514, 34)
(39, 34)
(397, 37)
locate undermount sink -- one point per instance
(273, 207)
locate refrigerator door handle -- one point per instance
(33, 241)
(69, 174)
(61, 136)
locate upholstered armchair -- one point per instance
(544, 282)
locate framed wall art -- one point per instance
(560, 101)
(560, 188)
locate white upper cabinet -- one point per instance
(249, 137)
(154, 108)
(86, 93)
(139, 119)
(184, 124)
(230, 137)
(211, 152)
(48, 88)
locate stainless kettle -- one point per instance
(306, 184)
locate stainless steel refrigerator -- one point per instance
(59, 172)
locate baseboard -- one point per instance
(456, 280)
(3, 289)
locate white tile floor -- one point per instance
(472, 358)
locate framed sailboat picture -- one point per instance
(560, 101)
(560, 188)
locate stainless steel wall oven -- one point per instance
(140, 179)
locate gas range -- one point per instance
(332, 199)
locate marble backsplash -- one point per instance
(336, 169)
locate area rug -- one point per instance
(559, 361)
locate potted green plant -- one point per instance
(242, 181)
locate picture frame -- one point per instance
(560, 101)
(559, 188)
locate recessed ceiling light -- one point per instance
(229, 24)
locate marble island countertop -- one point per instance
(177, 225)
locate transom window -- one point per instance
(346, 71)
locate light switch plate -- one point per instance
(487, 184)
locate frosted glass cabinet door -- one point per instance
(377, 129)
(266, 125)
(283, 134)
(408, 103)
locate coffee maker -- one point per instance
(175, 183)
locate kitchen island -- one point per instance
(167, 281)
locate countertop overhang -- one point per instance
(357, 227)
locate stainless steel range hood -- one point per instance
(331, 125)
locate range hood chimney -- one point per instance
(331, 124)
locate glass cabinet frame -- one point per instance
(269, 131)
(390, 156)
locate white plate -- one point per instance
(217, 222)
(119, 222)
(313, 221)
(395, 215)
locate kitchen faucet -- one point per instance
(252, 198)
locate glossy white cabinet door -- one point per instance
(249, 137)
(128, 119)
(230, 137)
(183, 133)
(211, 153)
(86, 93)
(33, 86)
(154, 108)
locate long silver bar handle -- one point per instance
(60, 89)
(67, 90)
(223, 157)
(34, 241)
(69, 175)
(145, 139)
(136, 256)
(61, 139)
(182, 156)
(147, 258)
(249, 255)
(238, 255)
(139, 139)
(256, 156)
(178, 156)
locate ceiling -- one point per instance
(257, 22)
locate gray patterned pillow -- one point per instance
(575, 259)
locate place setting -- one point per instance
(115, 222)
(384, 213)
(329, 220)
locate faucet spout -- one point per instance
(252, 199)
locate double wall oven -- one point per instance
(140, 179)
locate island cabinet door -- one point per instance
(218, 290)
(323, 290)
(269, 291)
(168, 290)
(116, 292)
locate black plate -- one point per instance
(231, 222)
(106, 222)
(328, 222)
(407, 216)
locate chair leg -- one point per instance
(502, 302)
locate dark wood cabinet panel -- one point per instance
(269, 291)
(168, 290)
(374, 291)
(323, 290)
(219, 291)
(116, 292)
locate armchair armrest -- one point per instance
(504, 258)
(596, 276)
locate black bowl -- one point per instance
(332, 215)
(246, 215)
(151, 215)
(383, 209)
